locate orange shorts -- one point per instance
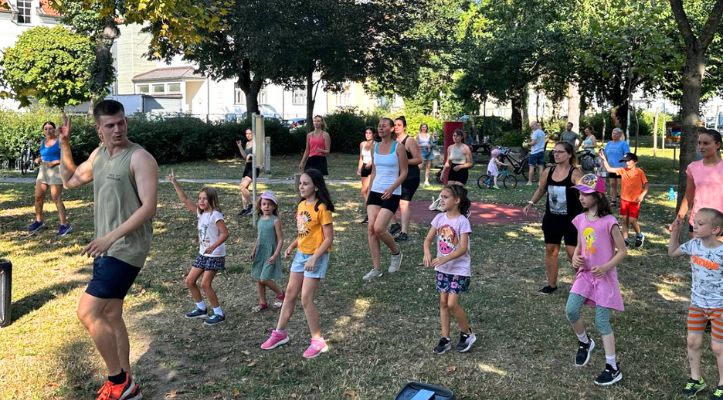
(698, 317)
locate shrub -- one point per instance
(18, 128)
(511, 139)
(493, 127)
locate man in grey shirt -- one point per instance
(570, 137)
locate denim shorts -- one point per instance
(319, 272)
(427, 155)
(112, 278)
(454, 284)
(537, 158)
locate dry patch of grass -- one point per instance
(380, 334)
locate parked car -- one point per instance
(294, 123)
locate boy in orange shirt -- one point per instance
(633, 189)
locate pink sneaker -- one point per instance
(279, 300)
(316, 347)
(275, 340)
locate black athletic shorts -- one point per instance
(247, 171)
(366, 171)
(391, 204)
(458, 176)
(409, 187)
(557, 227)
(112, 278)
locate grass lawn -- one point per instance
(381, 334)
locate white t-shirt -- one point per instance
(707, 270)
(539, 136)
(208, 233)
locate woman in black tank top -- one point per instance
(562, 205)
(410, 185)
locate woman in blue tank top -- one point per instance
(49, 177)
(389, 170)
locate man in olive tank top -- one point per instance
(125, 186)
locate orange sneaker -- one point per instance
(121, 391)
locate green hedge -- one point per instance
(18, 128)
(171, 140)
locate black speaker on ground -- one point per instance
(6, 275)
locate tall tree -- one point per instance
(50, 65)
(696, 46)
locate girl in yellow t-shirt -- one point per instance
(311, 260)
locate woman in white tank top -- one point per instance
(389, 170)
(364, 167)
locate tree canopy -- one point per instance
(52, 65)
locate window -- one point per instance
(262, 96)
(343, 99)
(142, 89)
(24, 7)
(174, 87)
(239, 97)
(298, 97)
(158, 88)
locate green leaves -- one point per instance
(51, 65)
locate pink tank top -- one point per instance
(316, 143)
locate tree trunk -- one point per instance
(573, 106)
(251, 88)
(310, 99)
(103, 66)
(689, 108)
(516, 104)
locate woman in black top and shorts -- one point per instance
(459, 160)
(410, 185)
(247, 153)
(563, 204)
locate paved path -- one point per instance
(272, 181)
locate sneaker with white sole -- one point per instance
(639, 240)
(466, 340)
(276, 339)
(316, 347)
(443, 345)
(64, 229)
(395, 262)
(609, 376)
(693, 387)
(583, 352)
(373, 274)
(214, 320)
(35, 226)
(197, 313)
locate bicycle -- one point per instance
(519, 166)
(588, 160)
(26, 160)
(488, 181)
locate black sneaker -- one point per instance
(401, 237)
(394, 228)
(693, 387)
(443, 345)
(583, 352)
(365, 220)
(609, 376)
(466, 340)
(717, 393)
(548, 289)
(639, 240)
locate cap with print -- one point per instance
(591, 183)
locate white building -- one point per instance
(157, 87)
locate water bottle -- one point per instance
(672, 194)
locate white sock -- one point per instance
(201, 305)
(583, 337)
(217, 311)
(611, 360)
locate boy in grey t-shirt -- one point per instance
(706, 262)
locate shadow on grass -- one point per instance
(38, 299)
